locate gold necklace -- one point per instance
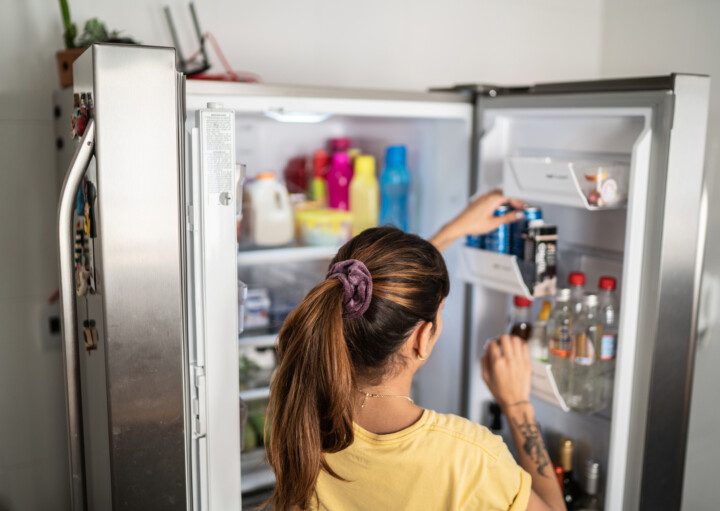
(371, 394)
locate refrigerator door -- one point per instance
(656, 127)
(212, 290)
(133, 381)
(134, 388)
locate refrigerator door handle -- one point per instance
(78, 167)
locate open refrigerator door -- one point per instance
(215, 298)
(602, 163)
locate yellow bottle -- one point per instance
(364, 194)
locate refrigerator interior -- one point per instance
(596, 242)
(437, 136)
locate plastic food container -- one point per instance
(603, 185)
(324, 227)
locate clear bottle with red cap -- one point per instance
(576, 282)
(608, 343)
(520, 320)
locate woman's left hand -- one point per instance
(478, 218)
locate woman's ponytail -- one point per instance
(310, 409)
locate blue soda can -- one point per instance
(499, 239)
(475, 241)
(517, 243)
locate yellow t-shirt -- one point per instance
(442, 462)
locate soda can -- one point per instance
(499, 239)
(517, 242)
(475, 241)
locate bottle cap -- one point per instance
(576, 278)
(266, 175)
(365, 166)
(339, 144)
(607, 283)
(590, 300)
(320, 162)
(563, 295)
(340, 159)
(522, 301)
(395, 156)
(592, 476)
(566, 452)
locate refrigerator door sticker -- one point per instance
(217, 127)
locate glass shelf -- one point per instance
(279, 255)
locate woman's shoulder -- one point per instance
(464, 431)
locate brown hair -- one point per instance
(320, 354)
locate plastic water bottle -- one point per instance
(364, 194)
(338, 181)
(395, 189)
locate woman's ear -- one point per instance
(424, 340)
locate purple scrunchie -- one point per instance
(357, 286)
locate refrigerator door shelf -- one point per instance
(501, 272)
(544, 386)
(587, 184)
(283, 255)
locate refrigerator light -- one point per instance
(282, 115)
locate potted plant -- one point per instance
(94, 31)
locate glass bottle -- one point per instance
(569, 487)
(520, 322)
(560, 346)
(590, 500)
(538, 342)
(585, 388)
(608, 343)
(576, 281)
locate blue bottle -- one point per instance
(394, 189)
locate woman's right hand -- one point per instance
(506, 369)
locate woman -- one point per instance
(344, 433)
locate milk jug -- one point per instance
(270, 216)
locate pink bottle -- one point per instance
(338, 181)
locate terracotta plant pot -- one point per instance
(65, 59)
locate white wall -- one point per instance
(382, 44)
(658, 37)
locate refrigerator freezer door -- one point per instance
(134, 384)
(210, 182)
(662, 133)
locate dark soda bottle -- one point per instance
(520, 321)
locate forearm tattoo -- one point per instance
(533, 443)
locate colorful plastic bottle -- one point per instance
(318, 184)
(339, 145)
(364, 194)
(395, 189)
(296, 175)
(338, 181)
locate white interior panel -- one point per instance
(437, 136)
(596, 242)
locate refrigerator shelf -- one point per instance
(255, 394)
(500, 272)
(268, 256)
(544, 386)
(567, 182)
(256, 473)
(258, 341)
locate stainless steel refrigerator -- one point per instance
(153, 408)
